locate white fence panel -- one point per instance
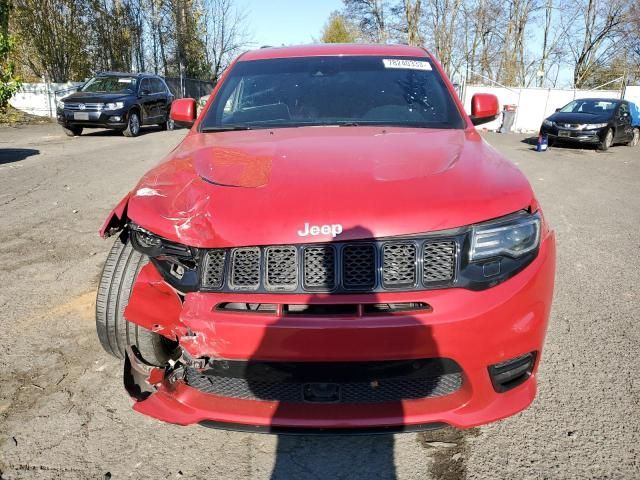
(40, 98)
(632, 94)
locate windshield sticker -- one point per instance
(406, 64)
(124, 80)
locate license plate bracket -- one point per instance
(564, 133)
(81, 116)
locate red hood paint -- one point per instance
(260, 187)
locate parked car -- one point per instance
(598, 121)
(119, 101)
(333, 246)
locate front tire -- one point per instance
(72, 131)
(133, 125)
(605, 144)
(168, 125)
(114, 331)
(635, 139)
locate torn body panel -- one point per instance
(154, 305)
(117, 218)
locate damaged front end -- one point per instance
(166, 273)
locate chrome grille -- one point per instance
(88, 107)
(245, 268)
(281, 268)
(319, 268)
(213, 268)
(365, 266)
(438, 262)
(399, 265)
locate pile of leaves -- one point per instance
(12, 117)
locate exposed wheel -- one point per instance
(115, 333)
(635, 139)
(72, 131)
(168, 125)
(605, 144)
(133, 125)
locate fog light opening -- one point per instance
(513, 372)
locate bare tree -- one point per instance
(443, 32)
(225, 34)
(369, 15)
(413, 17)
(599, 27)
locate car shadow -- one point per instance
(335, 387)
(108, 132)
(10, 155)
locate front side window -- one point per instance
(350, 90)
(110, 84)
(145, 86)
(158, 86)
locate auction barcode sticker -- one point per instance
(406, 64)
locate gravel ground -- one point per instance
(64, 413)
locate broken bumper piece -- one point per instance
(272, 372)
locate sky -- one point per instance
(288, 22)
(294, 22)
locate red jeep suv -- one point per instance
(332, 247)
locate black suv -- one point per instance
(120, 101)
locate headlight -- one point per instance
(547, 123)
(513, 238)
(60, 105)
(147, 240)
(114, 106)
(178, 264)
(593, 126)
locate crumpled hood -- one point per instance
(261, 187)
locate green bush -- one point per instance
(9, 83)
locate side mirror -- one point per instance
(484, 108)
(558, 109)
(183, 112)
(144, 92)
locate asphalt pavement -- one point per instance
(64, 413)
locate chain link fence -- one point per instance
(189, 87)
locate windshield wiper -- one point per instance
(226, 128)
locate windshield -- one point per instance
(593, 107)
(367, 90)
(114, 84)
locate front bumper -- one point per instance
(576, 136)
(94, 119)
(475, 329)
